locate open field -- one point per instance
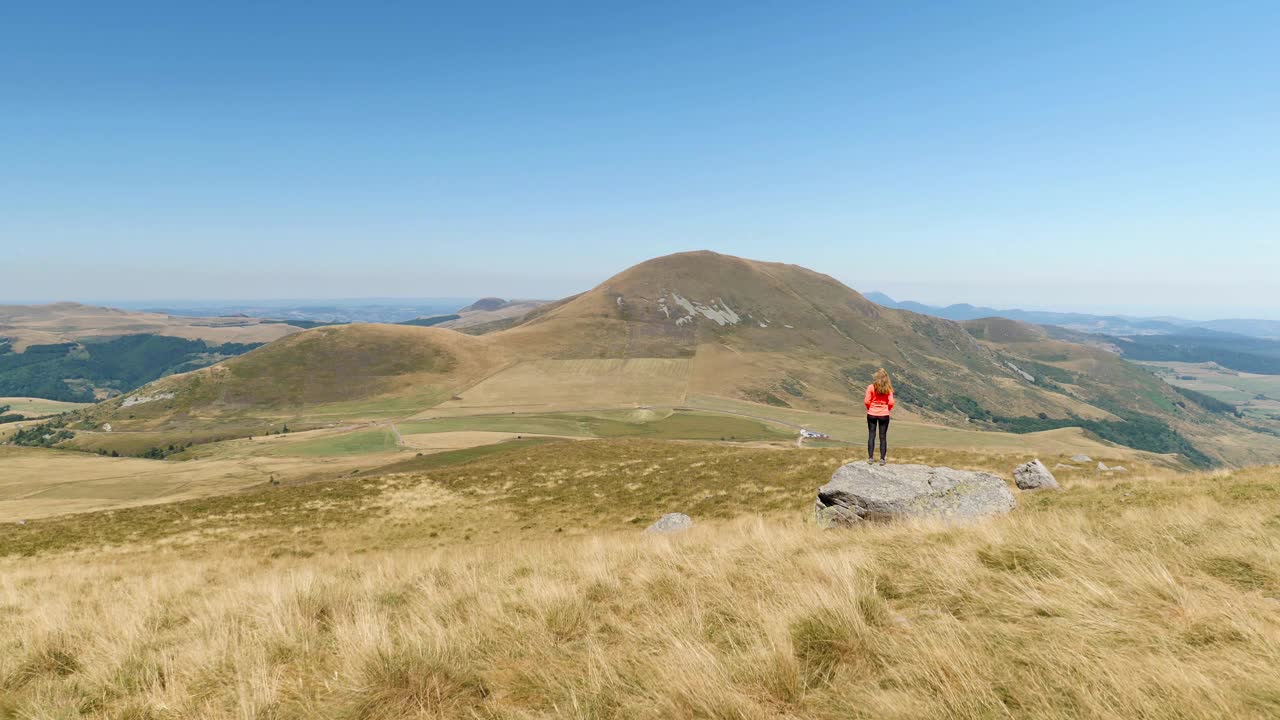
(216, 464)
(64, 322)
(551, 385)
(38, 483)
(1154, 595)
(648, 423)
(352, 443)
(378, 407)
(37, 407)
(909, 434)
(1238, 388)
(41, 482)
(450, 441)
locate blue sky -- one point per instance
(1077, 156)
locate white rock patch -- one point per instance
(1029, 377)
(722, 315)
(141, 399)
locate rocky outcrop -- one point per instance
(1081, 458)
(671, 523)
(860, 491)
(1034, 476)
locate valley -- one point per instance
(1256, 396)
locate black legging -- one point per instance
(874, 421)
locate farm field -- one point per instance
(553, 385)
(607, 424)
(374, 408)
(38, 407)
(1238, 388)
(360, 442)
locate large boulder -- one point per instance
(862, 491)
(1034, 476)
(671, 523)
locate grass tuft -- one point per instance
(412, 682)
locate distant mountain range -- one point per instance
(309, 313)
(1095, 324)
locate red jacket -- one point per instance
(877, 404)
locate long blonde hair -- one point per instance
(882, 383)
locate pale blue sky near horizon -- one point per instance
(1104, 157)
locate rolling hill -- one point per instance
(484, 315)
(681, 329)
(27, 325)
(330, 370)
(78, 353)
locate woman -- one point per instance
(879, 402)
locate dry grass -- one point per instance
(67, 322)
(1158, 601)
(37, 407)
(549, 385)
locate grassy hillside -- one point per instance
(79, 353)
(1252, 395)
(100, 367)
(345, 370)
(26, 325)
(1143, 411)
(699, 325)
(777, 334)
(522, 587)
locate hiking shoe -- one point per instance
(883, 461)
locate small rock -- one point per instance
(1034, 476)
(671, 523)
(1103, 466)
(1081, 458)
(1118, 468)
(1064, 466)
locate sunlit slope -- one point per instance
(350, 370)
(780, 335)
(1127, 392)
(701, 325)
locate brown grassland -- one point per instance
(515, 583)
(29, 325)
